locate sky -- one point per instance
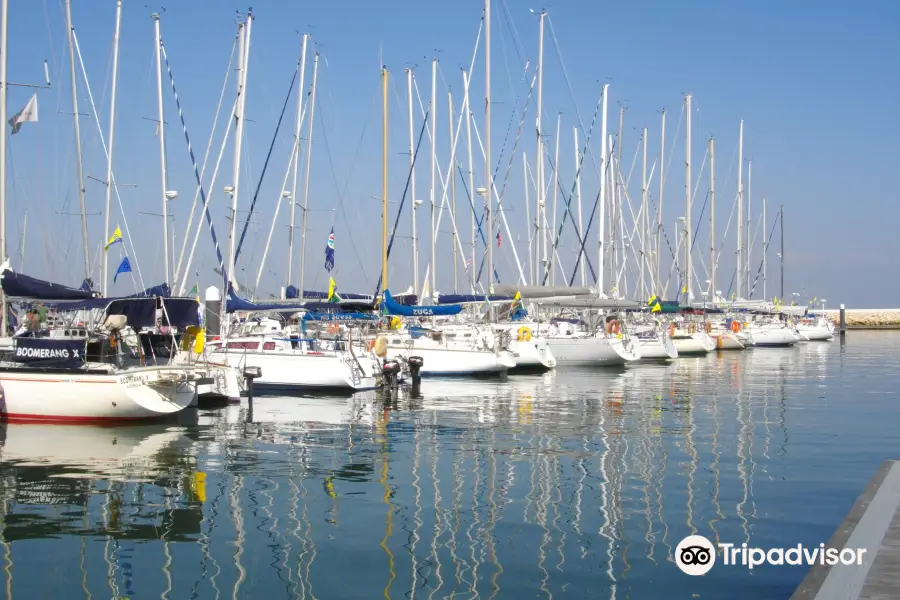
(817, 91)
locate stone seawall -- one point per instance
(867, 318)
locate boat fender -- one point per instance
(524, 334)
(380, 346)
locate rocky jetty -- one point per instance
(867, 318)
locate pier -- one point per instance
(874, 524)
(867, 318)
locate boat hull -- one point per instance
(694, 343)
(589, 351)
(91, 396)
(661, 347)
(816, 333)
(773, 337)
(532, 355)
(295, 371)
(727, 340)
(444, 361)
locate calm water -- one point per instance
(576, 484)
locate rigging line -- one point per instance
(212, 229)
(87, 85)
(769, 241)
(190, 222)
(591, 219)
(403, 199)
(262, 175)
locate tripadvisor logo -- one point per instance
(696, 555)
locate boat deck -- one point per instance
(873, 523)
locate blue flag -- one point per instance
(329, 251)
(124, 267)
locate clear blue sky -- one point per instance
(815, 84)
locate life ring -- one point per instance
(612, 327)
(334, 328)
(524, 334)
(708, 327)
(671, 329)
(735, 326)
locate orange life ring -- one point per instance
(334, 328)
(671, 329)
(612, 327)
(735, 326)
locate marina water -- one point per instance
(574, 484)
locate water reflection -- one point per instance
(562, 484)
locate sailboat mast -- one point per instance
(309, 136)
(539, 213)
(297, 131)
(765, 245)
(109, 156)
(488, 198)
(239, 138)
(3, 44)
(688, 225)
(412, 181)
(644, 208)
(162, 148)
(555, 199)
(740, 215)
(748, 230)
(615, 223)
(712, 218)
(78, 162)
(452, 176)
(580, 264)
(781, 221)
(659, 223)
(384, 182)
(603, 174)
(468, 109)
(433, 116)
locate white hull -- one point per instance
(591, 351)
(137, 393)
(660, 347)
(225, 382)
(727, 340)
(452, 361)
(296, 370)
(694, 343)
(773, 336)
(816, 333)
(534, 354)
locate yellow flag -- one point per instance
(116, 237)
(331, 288)
(684, 289)
(656, 308)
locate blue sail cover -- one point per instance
(291, 292)
(19, 285)
(141, 312)
(470, 299)
(157, 291)
(394, 308)
(338, 316)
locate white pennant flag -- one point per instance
(26, 115)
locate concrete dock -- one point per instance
(874, 524)
(867, 318)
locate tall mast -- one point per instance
(239, 137)
(432, 115)
(781, 221)
(488, 199)
(471, 174)
(309, 136)
(688, 275)
(3, 45)
(78, 165)
(453, 190)
(712, 218)
(748, 233)
(555, 198)
(603, 174)
(297, 131)
(384, 185)
(539, 213)
(112, 129)
(580, 264)
(412, 181)
(765, 245)
(616, 206)
(740, 217)
(162, 149)
(644, 208)
(662, 163)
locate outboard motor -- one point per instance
(390, 373)
(415, 367)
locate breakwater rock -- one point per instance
(867, 318)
